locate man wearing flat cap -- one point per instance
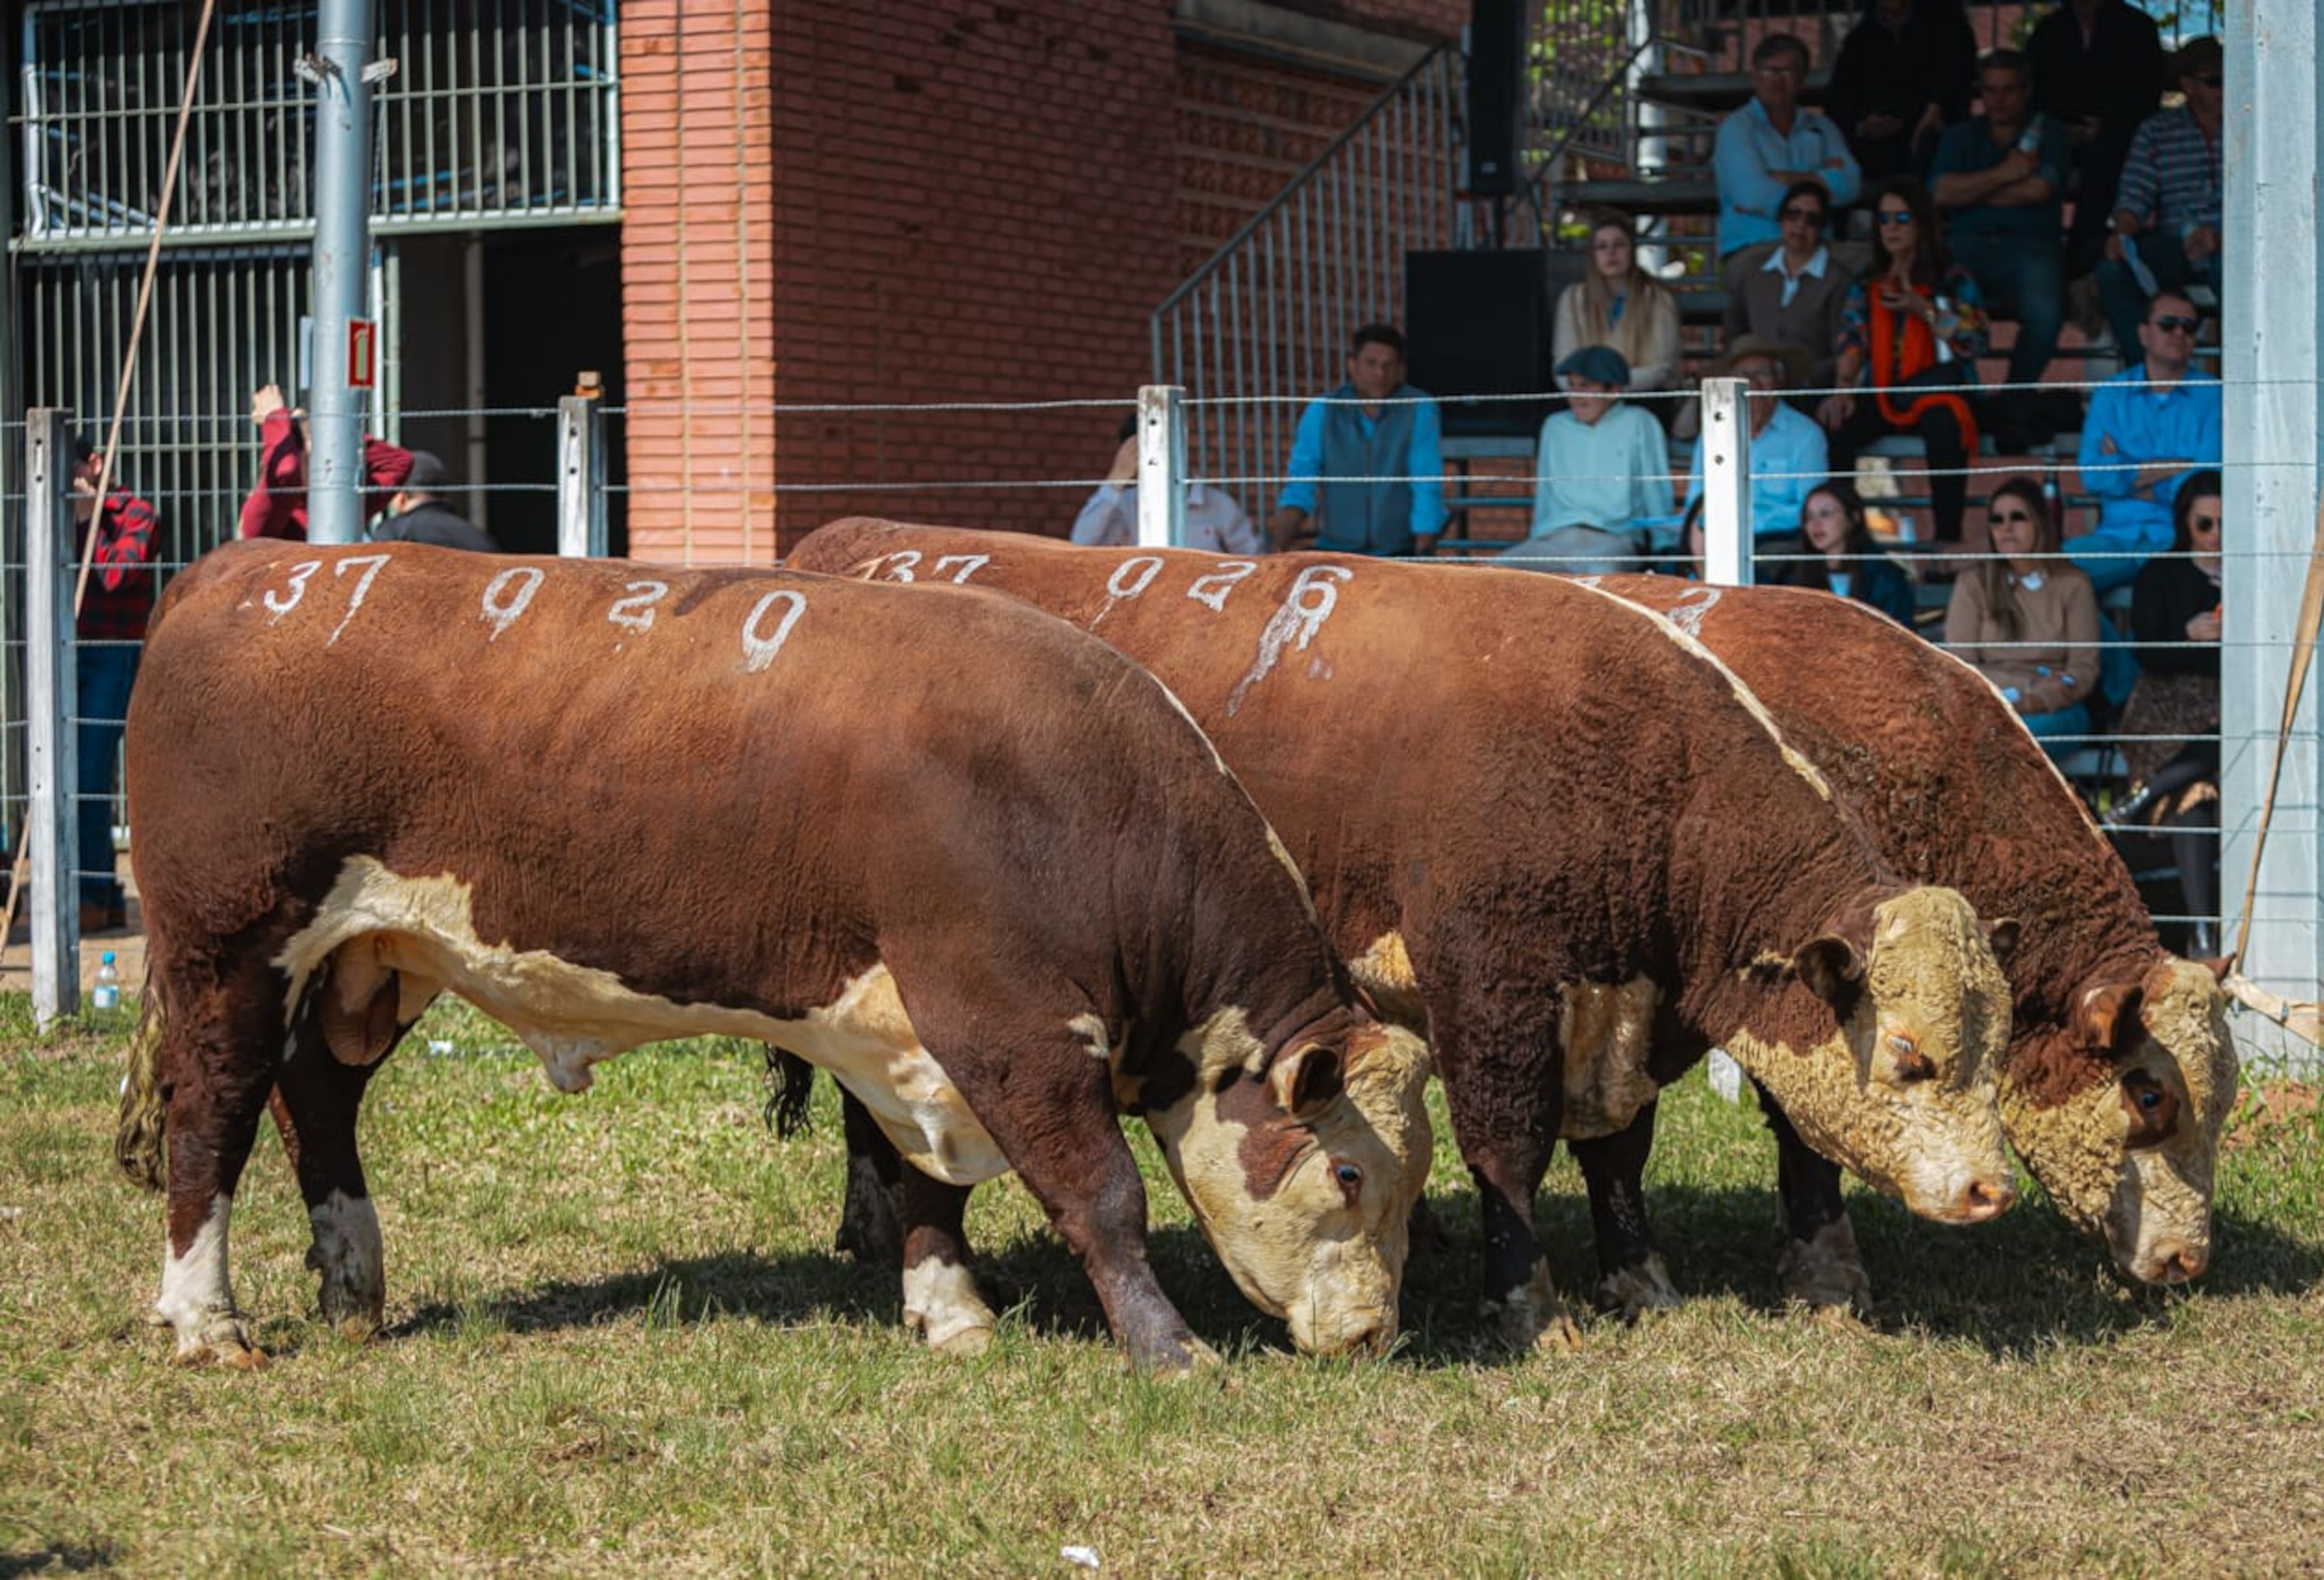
(1788, 454)
(417, 515)
(1602, 466)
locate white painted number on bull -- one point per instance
(297, 588)
(757, 650)
(363, 586)
(636, 612)
(1687, 614)
(969, 565)
(1311, 600)
(1212, 589)
(1130, 578)
(896, 567)
(502, 612)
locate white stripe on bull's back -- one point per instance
(574, 1015)
(1744, 694)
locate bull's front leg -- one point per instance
(941, 1302)
(1631, 1277)
(1818, 1265)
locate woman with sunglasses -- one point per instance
(2026, 620)
(1792, 291)
(1842, 557)
(1916, 325)
(1616, 303)
(2170, 723)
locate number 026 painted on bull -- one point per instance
(510, 594)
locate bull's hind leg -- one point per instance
(318, 1096)
(1631, 1277)
(221, 1041)
(1818, 1265)
(941, 1301)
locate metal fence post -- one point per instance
(1161, 466)
(580, 477)
(53, 773)
(342, 72)
(1726, 482)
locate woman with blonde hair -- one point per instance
(1615, 303)
(2026, 619)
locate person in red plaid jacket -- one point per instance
(111, 625)
(277, 508)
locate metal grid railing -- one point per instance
(499, 110)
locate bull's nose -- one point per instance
(1985, 1199)
(1357, 1339)
(2174, 1263)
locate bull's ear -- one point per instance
(1305, 1080)
(2103, 1013)
(1831, 966)
(2001, 937)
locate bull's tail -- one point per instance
(790, 1081)
(138, 1139)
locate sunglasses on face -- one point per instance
(1804, 216)
(2203, 523)
(2173, 322)
(1894, 216)
(2006, 518)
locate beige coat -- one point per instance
(2058, 625)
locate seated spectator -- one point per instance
(1916, 322)
(2026, 619)
(2097, 70)
(2175, 779)
(2148, 428)
(277, 506)
(1787, 454)
(1841, 558)
(1380, 443)
(1214, 521)
(417, 513)
(2167, 210)
(1620, 304)
(1602, 464)
(1771, 143)
(2002, 176)
(1791, 291)
(1902, 76)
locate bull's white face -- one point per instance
(1905, 1095)
(2130, 1158)
(1303, 1177)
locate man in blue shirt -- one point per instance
(2001, 176)
(1790, 455)
(1771, 143)
(2139, 442)
(2170, 207)
(1368, 462)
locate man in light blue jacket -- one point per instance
(1771, 143)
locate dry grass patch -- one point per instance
(618, 1340)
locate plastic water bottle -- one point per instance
(105, 997)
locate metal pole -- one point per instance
(50, 559)
(580, 477)
(1726, 482)
(1161, 466)
(341, 71)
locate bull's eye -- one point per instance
(1911, 1064)
(2151, 1107)
(1351, 1180)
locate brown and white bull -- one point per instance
(2120, 1070)
(1574, 847)
(975, 863)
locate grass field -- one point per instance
(618, 1343)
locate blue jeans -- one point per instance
(2046, 727)
(105, 672)
(2024, 278)
(2165, 257)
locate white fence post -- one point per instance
(52, 772)
(1161, 466)
(1726, 482)
(580, 477)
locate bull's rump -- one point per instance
(614, 802)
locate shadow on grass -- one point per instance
(67, 1560)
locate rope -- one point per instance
(121, 396)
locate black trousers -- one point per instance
(1940, 434)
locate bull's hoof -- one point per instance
(1533, 1318)
(1185, 1358)
(1630, 1293)
(1825, 1274)
(965, 1341)
(219, 1342)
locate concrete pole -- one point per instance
(580, 477)
(1161, 466)
(340, 69)
(1726, 482)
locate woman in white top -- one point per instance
(1615, 303)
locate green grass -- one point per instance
(618, 1341)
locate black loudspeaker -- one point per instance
(1497, 55)
(1478, 324)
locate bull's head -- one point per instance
(2128, 1156)
(1303, 1169)
(1903, 1092)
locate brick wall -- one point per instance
(946, 201)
